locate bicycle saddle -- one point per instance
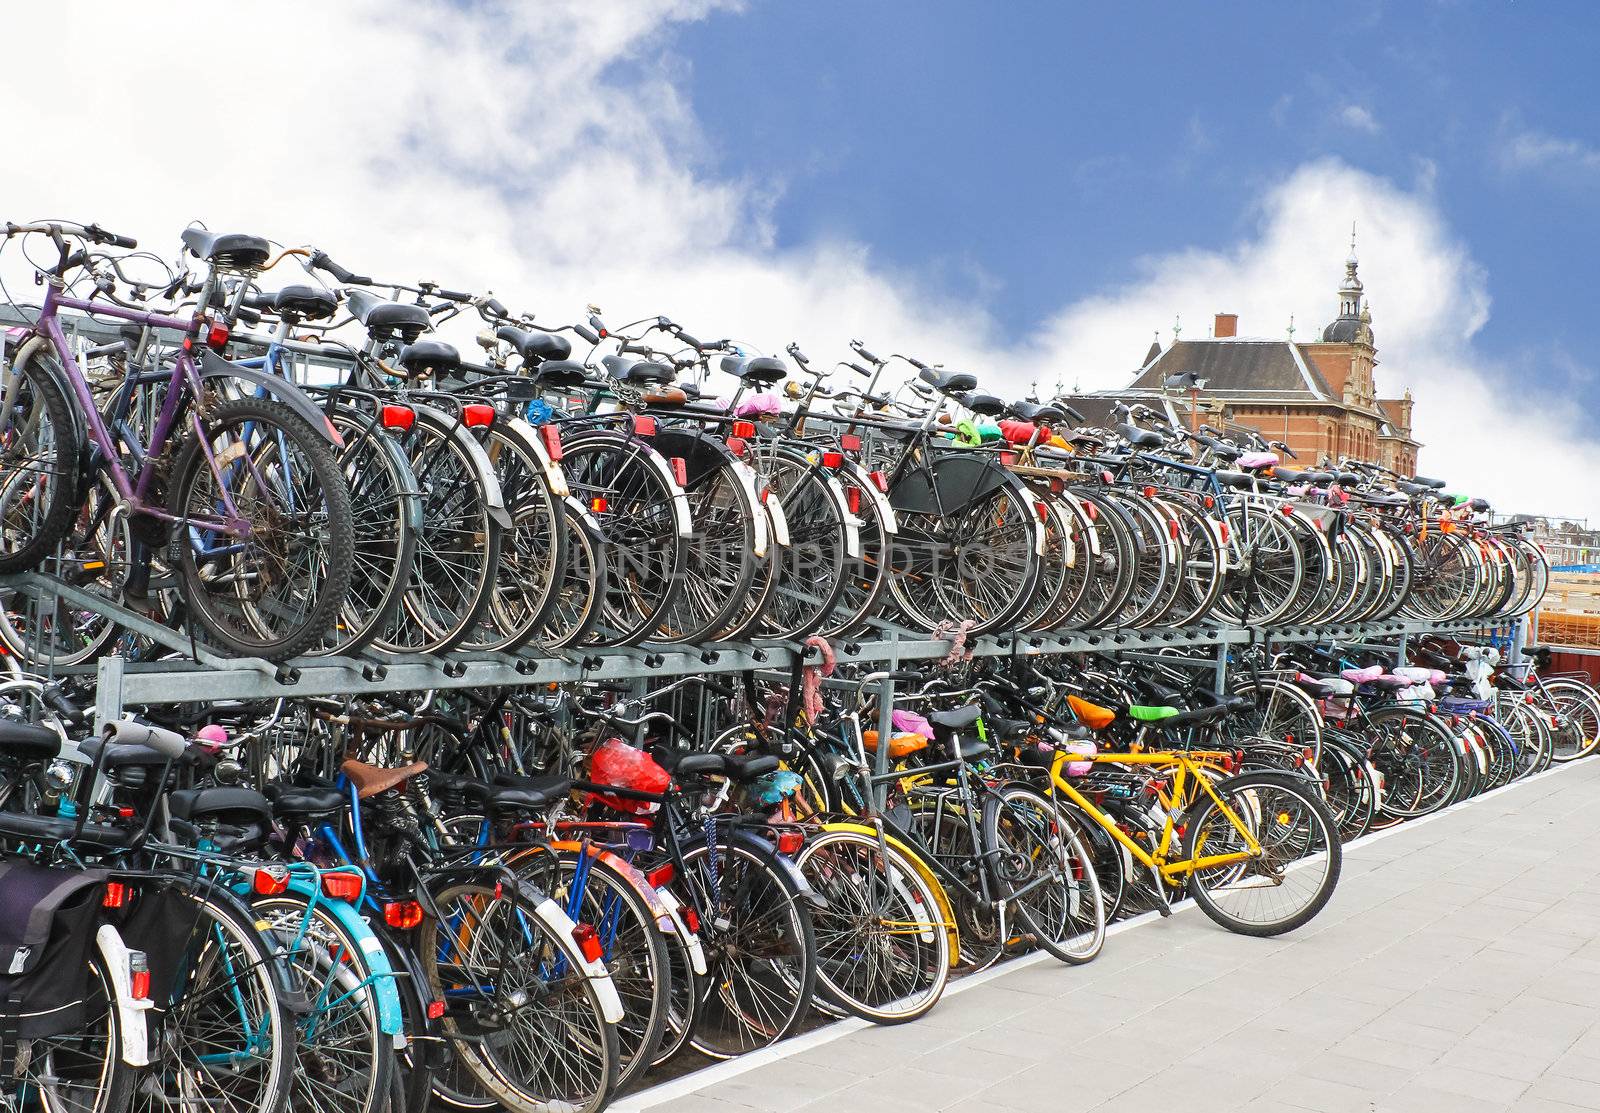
(732, 766)
(1091, 715)
(1038, 413)
(1235, 479)
(544, 790)
(948, 382)
(1146, 713)
(371, 780)
(756, 369)
(1431, 484)
(430, 357)
(1140, 438)
(636, 371)
(1413, 488)
(986, 404)
(28, 741)
(310, 303)
(1311, 686)
(1255, 461)
(562, 374)
(1225, 451)
(234, 250)
(534, 346)
(304, 800)
(1361, 676)
(242, 808)
(383, 318)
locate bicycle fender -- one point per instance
(586, 520)
(381, 975)
(852, 524)
(553, 475)
(697, 953)
(701, 453)
(214, 368)
(482, 466)
(563, 926)
(130, 1009)
(629, 873)
(947, 911)
(880, 501)
(80, 426)
(786, 866)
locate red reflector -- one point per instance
(598, 504)
(691, 920)
(435, 1010)
(139, 985)
(342, 885)
(1224, 526)
(1148, 492)
(1043, 510)
(588, 942)
(853, 498)
(680, 470)
(402, 914)
(552, 441)
(737, 446)
(790, 842)
(833, 461)
(1288, 511)
(399, 417)
(661, 875)
(116, 895)
(1210, 502)
(477, 415)
(744, 429)
(1089, 509)
(1172, 527)
(1008, 459)
(217, 337)
(269, 881)
(850, 442)
(880, 481)
(644, 426)
(1056, 486)
(1106, 478)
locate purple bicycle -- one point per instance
(231, 491)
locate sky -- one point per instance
(1027, 190)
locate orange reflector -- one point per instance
(342, 885)
(402, 914)
(598, 504)
(401, 418)
(552, 441)
(588, 942)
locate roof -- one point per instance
(1239, 367)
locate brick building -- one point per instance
(1318, 397)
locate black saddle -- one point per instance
(244, 809)
(758, 369)
(1235, 479)
(384, 318)
(948, 382)
(562, 374)
(1431, 484)
(546, 790)
(1140, 438)
(534, 346)
(28, 741)
(233, 250)
(1413, 488)
(430, 357)
(301, 801)
(638, 372)
(986, 404)
(1040, 413)
(948, 725)
(732, 766)
(1225, 451)
(309, 303)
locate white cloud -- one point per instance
(494, 146)
(1534, 150)
(1359, 118)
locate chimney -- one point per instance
(1227, 324)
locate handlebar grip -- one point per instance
(864, 354)
(169, 744)
(100, 235)
(859, 370)
(248, 316)
(691, 340)
(494, 306)
(587, 333)
(321, 261)
(452, 295)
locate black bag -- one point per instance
(48, 919)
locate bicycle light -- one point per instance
(478, 415)
(342, 885)
(269, 881)
(588, 941)
(745, 430)
(399, 418)
(402, 915)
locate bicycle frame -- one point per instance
(1185, 766)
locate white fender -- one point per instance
(697, 953)
(130, 1010)
(561, 924)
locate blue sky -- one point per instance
(1026, 154)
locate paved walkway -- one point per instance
(1457, 969)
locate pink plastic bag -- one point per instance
(909, 722)
(758, 406)
(1258, 459)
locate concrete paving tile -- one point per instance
(1422, 1099)
(1572, 1091)
(1471, 1083)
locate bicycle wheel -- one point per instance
(864, 576)
(1292, 877)
(882, 953)
(345, 1060)
(38, 466)
(581, 594)
(76, 1072)
(221, 1036)
(1042, 866)
(1574, 719)
(760, 944)
(811, 568)
(1418, 759)
(458, 547)
(273, 590)
(523, 1017)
